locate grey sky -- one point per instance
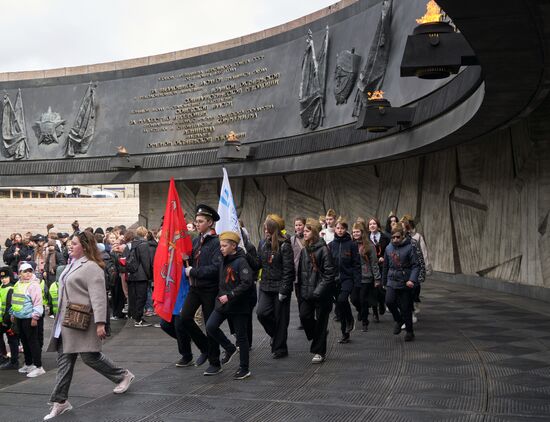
(44, 34)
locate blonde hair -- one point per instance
(142, 231)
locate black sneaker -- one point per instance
(279, 355)
(345, 339)
(300, 327)
(227, 356)
(241, 374)
(213, 370)
(201, 359)
(9, 365)
(365, 327)
(397, 328)
(142, 323)
(183, 362)
(409, 336)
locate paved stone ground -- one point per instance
(478, 356)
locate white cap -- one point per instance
(25, 266)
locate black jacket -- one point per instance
(316, 272)
(277, 267)
(145, 269)
(206, 260)
(346, 259)
(25, 254)
(235, 281)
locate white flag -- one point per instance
(229, 221)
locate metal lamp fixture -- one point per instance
(379, 115)
(233, 150)
(435, 50)
(123, 161)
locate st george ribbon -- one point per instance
(229, 221)
(173, 248)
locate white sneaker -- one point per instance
(415, 319)
(25, 369)
(58, 409)
(318, 359)
(123, 385)
(403, 327)
(52, 316)
(36, 372)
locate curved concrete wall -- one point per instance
(483, 214)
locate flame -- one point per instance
(376, 95)
(232, 136)
(433, 13)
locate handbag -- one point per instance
(77, 316)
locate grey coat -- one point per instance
(85, 284)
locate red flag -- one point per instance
(174, 244)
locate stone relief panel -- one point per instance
(49, 128)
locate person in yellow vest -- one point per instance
(6, 291)
(26, 311)
(54, 291)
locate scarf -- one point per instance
(52, 262)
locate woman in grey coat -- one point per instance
(82, 282)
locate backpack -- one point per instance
(132, 261)
(110, 273)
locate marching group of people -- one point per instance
(86, 279)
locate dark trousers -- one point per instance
(239, 323)
(117, 298)
(206, 298)
(344, 310)
(417, 288)
(355, 298)
(13, 343)
(175, 329)
(400, 304)
(252, 304)
(30, 339)
(314, 317)
(381, 296)
(137, 296)
(362, 299)
(274, 316)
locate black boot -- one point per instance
(397, 328)
(345, 339)
(375, 314)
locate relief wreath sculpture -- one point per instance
(81, 134)
(313, 84)
(14, 134)
(372, 75)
